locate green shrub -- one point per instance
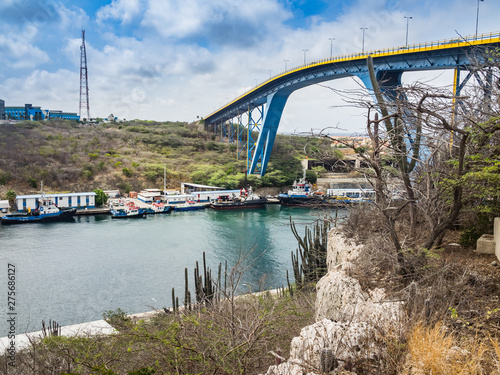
(5, 177)
(116, 318)
(117, 164)
(32, 182)
(93, 156)
(127, 172)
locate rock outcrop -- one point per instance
(348, 319)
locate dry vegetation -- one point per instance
(226, 338)
(451, 299)
(67, 156)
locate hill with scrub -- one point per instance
(67, 156)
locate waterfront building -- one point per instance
(189, 187)
(61, 200)
(33, 113)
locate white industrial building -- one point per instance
(65, 200)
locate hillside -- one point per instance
(67, 156)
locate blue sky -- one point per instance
(179, 59)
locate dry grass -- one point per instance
(433, 350)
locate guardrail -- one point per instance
(426, 46)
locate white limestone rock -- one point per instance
(341, 252)
(338, 297)
(348, 341)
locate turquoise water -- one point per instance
(72, 272)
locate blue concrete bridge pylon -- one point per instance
(389, 65)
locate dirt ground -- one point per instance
(482, 293)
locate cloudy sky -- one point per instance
(179, 59)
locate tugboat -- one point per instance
(301, 195)
(246, 200)
(130, 210)
(159, 208)
(46, 211)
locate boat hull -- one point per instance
(300, 201)
(166, 210)
(65, 215)
(189, 208)
(255, 203)
(127, 216)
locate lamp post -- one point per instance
(407, 22)
(477, 15)
(270, 71)
(363, 45)
(305, 50)
(285, 63)
(331, 47)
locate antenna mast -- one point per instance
(84, 83)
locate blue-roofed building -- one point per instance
(29, 112)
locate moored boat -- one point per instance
(189, 206)
(129, 210)
(46, 211)
(301, 195)
(251, 201)
(159, 208)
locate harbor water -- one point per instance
(72, 272)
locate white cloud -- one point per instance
(49, 90)
(17, 51)
(124, 11)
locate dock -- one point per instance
(93, 211)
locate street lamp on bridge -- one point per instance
(270, 71)
(477, 15)
(407, 22)
(363, 45)
(285, 63)
(305, 50)
(331, 47)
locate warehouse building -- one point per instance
(64, 200)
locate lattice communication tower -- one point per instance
(84, 83)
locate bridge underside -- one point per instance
(273, 94)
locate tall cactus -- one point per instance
(309, 261)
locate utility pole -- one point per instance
(84, 82)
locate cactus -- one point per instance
(187, 294)
(289, 286)
(312, 251)
(173, 299)
(328, 362)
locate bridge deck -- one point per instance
(255, 96)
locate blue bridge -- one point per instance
(259, 110)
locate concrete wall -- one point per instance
(496, 234)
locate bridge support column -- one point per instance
(272, 115)
(388, 80)
(255, 121)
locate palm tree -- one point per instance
(11, 196)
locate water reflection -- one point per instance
(73, 272)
